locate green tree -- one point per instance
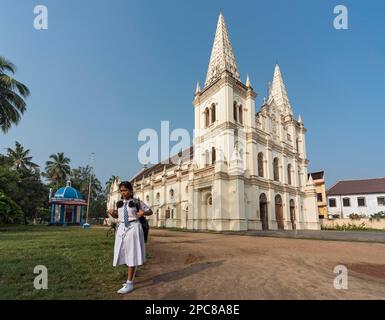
(58, 170)
(81, 180)
(12, 92)
(20, 159)
(9, 180)
(32, 194)
(109, 183)
(98, 207)
(3, 160)
(10, 212)
(25, 188)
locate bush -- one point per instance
(356, 216)
(10, 212)
(347, 227)
(352, 227)
(43, 214)
(377, 216)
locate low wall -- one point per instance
(374, 224)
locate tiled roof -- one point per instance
(317, 175)
(187, 155)
(357, 187)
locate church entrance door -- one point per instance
(292, 214)
(263, 212)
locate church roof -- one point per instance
(278, 89)
(222, 57)
(187, 155)
(350, 187)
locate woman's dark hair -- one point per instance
(119, 204)
(127, 185)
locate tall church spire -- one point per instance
(222, 57)
(278, 90)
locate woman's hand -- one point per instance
(140, 214)
(113, 213)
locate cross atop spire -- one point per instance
(278, 90)
(222, 57)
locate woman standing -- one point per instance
(130, 247)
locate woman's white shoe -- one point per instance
(127, 287)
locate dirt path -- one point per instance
(215, 266)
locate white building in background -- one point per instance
(362, 197)
(246, 170)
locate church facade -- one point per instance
(246, 170)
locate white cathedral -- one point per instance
(246, 170)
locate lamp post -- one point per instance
(87, 225)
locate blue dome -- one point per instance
(68, 193)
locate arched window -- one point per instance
(168, 213)
(158, 197)
(186, 189)
(289, 174)
(260, 164)
(276, 169)
(172, 194)
(213, 113)
(147, 198)
(235, 112)
(262, 198)
(207, 117)
(240, 115)
(213, 155)
(297, 144)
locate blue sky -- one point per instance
(106, 69)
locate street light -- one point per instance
(87, 225)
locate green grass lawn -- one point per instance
(79, 263)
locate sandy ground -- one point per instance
(186, 265)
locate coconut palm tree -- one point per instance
(80, 178)
(19, 158)
(57, 170)
(109, 183)
(12, 92)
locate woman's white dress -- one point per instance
(129, 247)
